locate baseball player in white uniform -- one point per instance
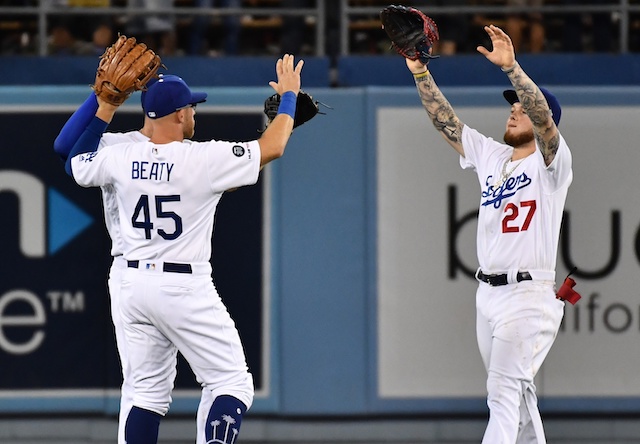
(167, 190)
(63, 144)
(524, 184)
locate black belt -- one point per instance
(496, 280)
(167, 267)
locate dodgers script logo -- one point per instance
(88, 157)
(495, 193)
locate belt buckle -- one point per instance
(496, 280)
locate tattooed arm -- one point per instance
(535, 105)
(532, 100)
(438, 107)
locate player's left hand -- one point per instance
(416, 66)
(106, 109)
(288, 76)
(503, 53)
(125, 67)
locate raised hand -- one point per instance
(288, 76)
(503, 53)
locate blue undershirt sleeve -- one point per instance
(87, 142)
(75, 126)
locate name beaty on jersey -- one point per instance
(151, 170)
(144, 170)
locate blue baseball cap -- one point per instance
(168, 95)
(553, 103)
(151, 82)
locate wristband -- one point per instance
(288, 104)
(421, 75)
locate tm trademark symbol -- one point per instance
(66, 301)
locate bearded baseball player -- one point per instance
(524, 183)
(167, 190)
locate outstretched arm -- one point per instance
(437, 106)
(274, 139)
(532, 100)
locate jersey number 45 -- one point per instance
(142, 212)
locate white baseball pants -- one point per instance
(516, 326)
(165, 311)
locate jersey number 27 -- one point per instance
(512, 212)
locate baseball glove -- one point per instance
(306, 108)
(125, 67)
(411, 32)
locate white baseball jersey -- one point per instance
(167, 194)
(521, 205)
(109, 203)
(112, 222)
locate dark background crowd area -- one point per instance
(256, 33)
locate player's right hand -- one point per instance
(288, 76)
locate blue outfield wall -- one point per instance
(349, 71)
(475, 70)
(197, 71)
(323, 266)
